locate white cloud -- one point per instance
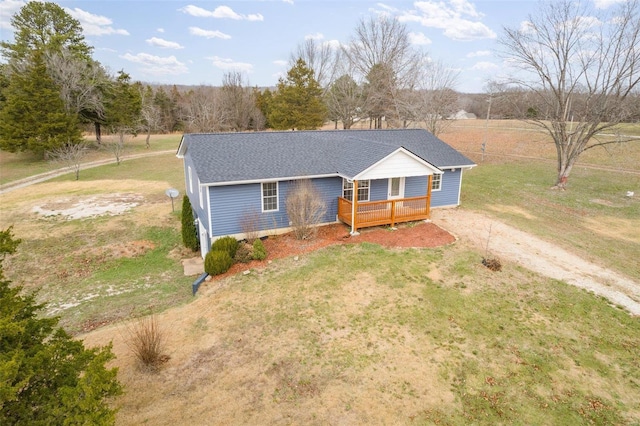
(485, 66)
(316, 36)
(160, 30)
(222, 12)
(208, 33)
(8, 8)
(280, 62)
(419, 39)
(157, 65)
(605, 4)
(478, 53)
(165, 44)
(333, 44)
(288, 1)
(229, 64)
(458, 18)
(95, 25)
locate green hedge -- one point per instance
(189, 231)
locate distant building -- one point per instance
(462, 115)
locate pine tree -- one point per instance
(33, 117)
(298, 103)
(189, 231)
(46, 377)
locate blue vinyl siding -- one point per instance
(448, 194)
(378, 189)
(229, 204)
(194, 197)
(415, 186)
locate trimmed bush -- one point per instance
(189, 231)
(217, 262)
(259, 250)
(228, 244)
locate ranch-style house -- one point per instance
(366, 177)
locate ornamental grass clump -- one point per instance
(217, 262)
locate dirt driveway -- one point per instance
(508, 243)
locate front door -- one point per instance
(396, 188)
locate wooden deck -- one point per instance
(387, 212)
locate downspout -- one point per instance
(460, 185)
(354, 208)
(429, 183)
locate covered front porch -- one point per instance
(362, 214)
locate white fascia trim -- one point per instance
(280, 179)
(434, 169)
(180, 153)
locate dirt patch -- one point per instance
(71, 208)
(623, 229)
(127, 249)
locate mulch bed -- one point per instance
(416, 234)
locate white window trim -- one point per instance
(346, 182)
(277, 197)
(439, 188)
(201, 195)
(190, 181)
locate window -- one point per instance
(201, 195)
(190, 181)
(436, 182)
(363, 190)
(269, 196)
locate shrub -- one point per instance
(228, 244)
(217, 262)
(259, 250)
(146, 340)
(189, 231)
(305, 208)
(244, 254)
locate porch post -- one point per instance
(354, 206)
(429, 181)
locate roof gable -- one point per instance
(399, 163)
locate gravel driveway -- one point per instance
(508, 243)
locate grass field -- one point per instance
(352, 334)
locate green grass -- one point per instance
(15, 166)
(521, 350)
(593, 218)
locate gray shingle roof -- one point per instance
(250, 156)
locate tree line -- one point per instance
(578, 76)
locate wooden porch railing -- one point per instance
(387, 212)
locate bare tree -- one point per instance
(436, 98)
(381, 53)
(320, 57)
(69, 155)
(150, 114)
(238, 104)
(201, 110)
(345, 101)
(305, 208)
(83, 84)
(582, 66)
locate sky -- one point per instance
(197, 42)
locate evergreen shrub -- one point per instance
(217, 262)
(259, 250)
